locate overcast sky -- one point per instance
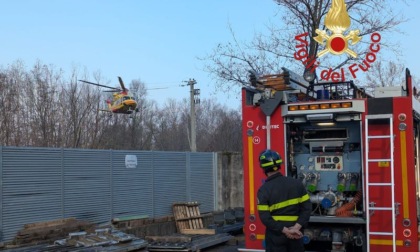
(157, 42)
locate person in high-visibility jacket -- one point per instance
(283, 206)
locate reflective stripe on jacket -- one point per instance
(283, 201)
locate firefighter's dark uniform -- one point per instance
(282, 202)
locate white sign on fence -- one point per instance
(130, 161)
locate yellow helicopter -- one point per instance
(122, 102)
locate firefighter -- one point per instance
(283, 206)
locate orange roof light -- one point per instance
(293, 108)
(325, 106)
(303, 107)
(314, 106)
(321, 106)
(346, 105)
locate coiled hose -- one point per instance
(346, 210)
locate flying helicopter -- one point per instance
(122, 101)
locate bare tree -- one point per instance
(54, 112)
(218, 127)
(384, 74)
(141, 130)
(80, 112)
(95, 123)
(13, 106)
(229, 63)
(172, 133)
(41, 90)
(228, 134)
(9, 101)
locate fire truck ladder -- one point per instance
(370, 206)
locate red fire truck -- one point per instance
(356, 153)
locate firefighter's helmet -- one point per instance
(270, 160)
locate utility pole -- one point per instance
(194, 99)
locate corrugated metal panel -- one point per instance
(202, 180)
(87, 184)
(31, 189)
(169, 185)
(42, 184)
(132, 187)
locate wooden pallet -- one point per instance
(188, 218)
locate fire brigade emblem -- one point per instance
(337, 21)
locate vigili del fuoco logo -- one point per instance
(337, 40)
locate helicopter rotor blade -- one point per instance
(122, 84)
(156, 88)
(100, 85)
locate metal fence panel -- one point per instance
(31, 187)
(132, 187)
(42, 184)
(169, 184)
(201, 177)
(87, 184)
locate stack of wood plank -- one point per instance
(131, 221)
(277, 82)
(188, 218)
(50, 230)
